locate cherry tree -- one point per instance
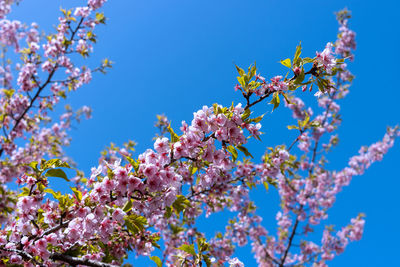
(151, 202)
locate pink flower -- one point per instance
(118, 215)
(82, 12)
(235, 262)
(326, 58)
(15, 259)
(52, 238)
(161, 145)
(96, 4)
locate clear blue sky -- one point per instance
(174, 56)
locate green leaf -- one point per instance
(266, 185)
(57, 173)
(202, 244)
(286, 98)
(275, 100)
(240, 70)
(128, 206)
(207, 260)
(291, 127)
(246, 114)
(258, 119)
(272, 182)
(156, 260)
(77, 193)
(168, 212)
(34, 165)
(192, 169)
(245, 151)
(9, 92)
(134, 163)
(252, 70)
(180, 204)
(297, 54)
(246, 79)
(241, 81)
(176, 228)
(308, 60)
(321, 84)
(54, 163)
(188, 248)
(174, 136)
(74, 251)
(41, 187)
(306, 120)
(130, 227)
(233, 151)
(25, 192)
(251, 185)
(100, 18)
(286, 63)
(110, 173)
(56, 195)
(135, 223)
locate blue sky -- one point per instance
(174, 56)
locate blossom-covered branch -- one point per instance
(130, 203)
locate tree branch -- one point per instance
(18, 120)
(290, 241)
(78, 261)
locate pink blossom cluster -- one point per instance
(337, 244)
(326, 58)
(306, 200)
(277, 84)
(15, 104)
(5, 7)
(65, 229)
(130, 204)
(346, 43)
(11, 32)
(26, 101)
(297, 106)
(375, 152)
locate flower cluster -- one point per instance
(130, 204)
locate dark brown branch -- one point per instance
(78, 261)
(25, 255)
(51, 230)
(60, 257)
(248, 105)
(296, 224)
(296, 140)
(216, 186)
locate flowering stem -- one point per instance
(18, 120)
(78, 261)
(290, 241)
